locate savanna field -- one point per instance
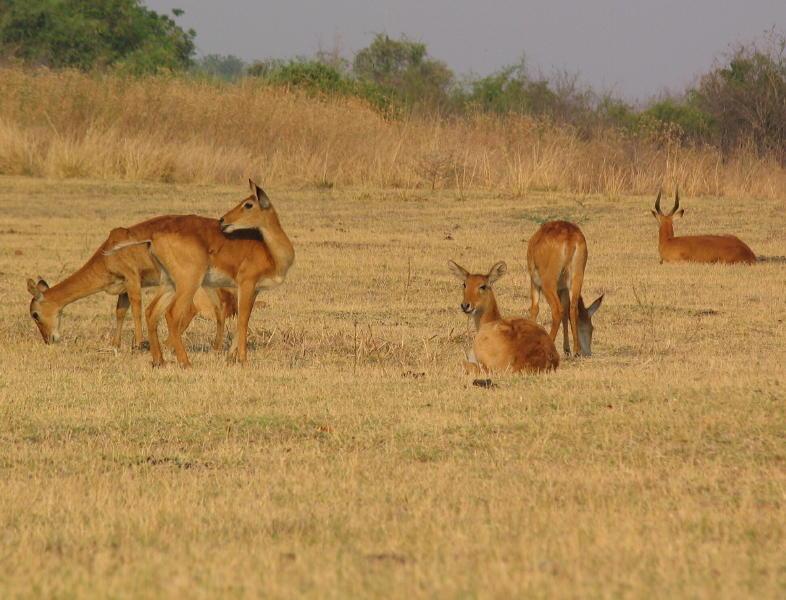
(351, 456)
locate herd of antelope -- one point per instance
(216, 267)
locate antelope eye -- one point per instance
(248, 205)
(483, 288)
(35, 316)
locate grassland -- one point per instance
(66, 125)
(352, 458)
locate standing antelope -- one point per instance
(556, 257)
(124, 274)
(501, 344)
(696, 248)
(194, 251)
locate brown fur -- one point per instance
(196, 251)
(556, 258)
(124, 273)
(511, 345)
(515, 345)
(726, 249)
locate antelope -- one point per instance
(501, 344)
(556, 257)
(194, 251)
(727, 249)
(123, 274)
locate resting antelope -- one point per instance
(696, 248)
(556, 257)
(501, 344)
(124, 274)
(195, 251)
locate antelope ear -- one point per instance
(497, 271)
(458, 271)
(32, 287)
(262, 198)
(680, 212)
(42, 285)
(593, 308)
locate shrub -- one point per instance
(227, 67)
(690, 121)
(316, 77)
(746, 97)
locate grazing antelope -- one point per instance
(556, 257)
(696, 248)
(501, 344)
(195, 251)
(124, 274)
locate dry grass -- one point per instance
(351, 458)
(67, 125)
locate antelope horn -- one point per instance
(676, 201)
(657, 202)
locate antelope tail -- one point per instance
(118, 247)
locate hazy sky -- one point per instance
(632, 47)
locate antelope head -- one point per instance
(676, 211)
(585, 324)
(254, 212)
(45, 313)
(478, 296)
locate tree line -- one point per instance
(741, 100)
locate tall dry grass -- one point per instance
(67, 124)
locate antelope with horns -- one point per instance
(727, 249)
(501, 344)
(196, 251)
(125, 274)
(556, 258)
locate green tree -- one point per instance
(86, 34)
(692, 122)
(404, 68)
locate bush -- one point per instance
(746, 98)
(692, 123)
(316, 77)
(227, 67)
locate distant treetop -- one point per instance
(87, 34)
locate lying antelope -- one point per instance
(195, 251)
(124, 274)
(556, 257)
(696, 248)
(501, 344)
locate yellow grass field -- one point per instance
(68, 125)
(352, 457)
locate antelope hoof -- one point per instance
(158, 363)
(142, 346)
(235, 359)
(483, 383)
